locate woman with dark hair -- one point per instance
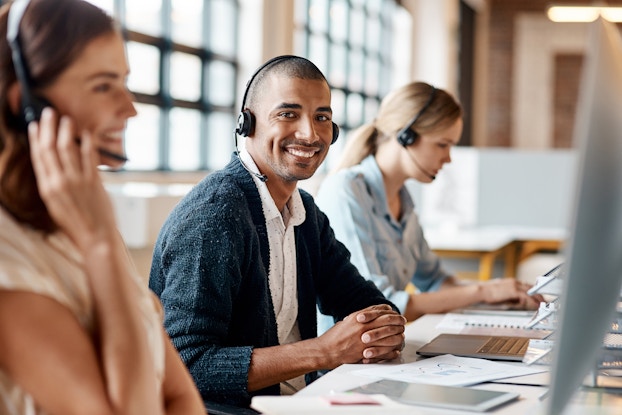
(372, 212)
(79, 332)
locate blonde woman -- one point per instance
(372, 212)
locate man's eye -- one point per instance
(323, 118)
(286, 115)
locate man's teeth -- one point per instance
(301, 153)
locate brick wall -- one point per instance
(566, 91)
(500, 72)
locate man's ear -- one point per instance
(14, 97)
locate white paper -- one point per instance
(313, 405)
(449, 370)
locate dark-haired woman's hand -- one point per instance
(68, 180)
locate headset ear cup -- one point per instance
(32, 111)
(406, 137)
(246, 123)
(335, 133)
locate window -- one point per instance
(351, 42)
(182, 57)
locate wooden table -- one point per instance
(487, 244)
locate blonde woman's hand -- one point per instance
(512, 291)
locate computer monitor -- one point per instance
(593, 258)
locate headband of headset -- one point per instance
(31, 105)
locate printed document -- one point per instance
(449, 370)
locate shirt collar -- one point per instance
(373, 178)
(295, 206)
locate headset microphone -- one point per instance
(412, 157)
(261, 177)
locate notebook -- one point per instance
(511, 348)
(513, 325)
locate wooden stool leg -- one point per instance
(511, 262)
(486, 263)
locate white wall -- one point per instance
(141, 209)
(505, 187)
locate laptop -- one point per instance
(509, 348)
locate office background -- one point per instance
(515, 71)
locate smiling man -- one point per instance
(242, 261)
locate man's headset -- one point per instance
(246, 119)
(407, 136)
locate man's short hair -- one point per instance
(291, 67)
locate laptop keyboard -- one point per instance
(505, 346)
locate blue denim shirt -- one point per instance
(387, 252)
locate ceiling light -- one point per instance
(583, 13)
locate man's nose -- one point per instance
(307, 129)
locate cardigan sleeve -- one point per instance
(197, 271)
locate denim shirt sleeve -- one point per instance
(346, 204)
(359, 224)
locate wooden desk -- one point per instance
(487, 244)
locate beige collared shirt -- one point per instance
(282, 273)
